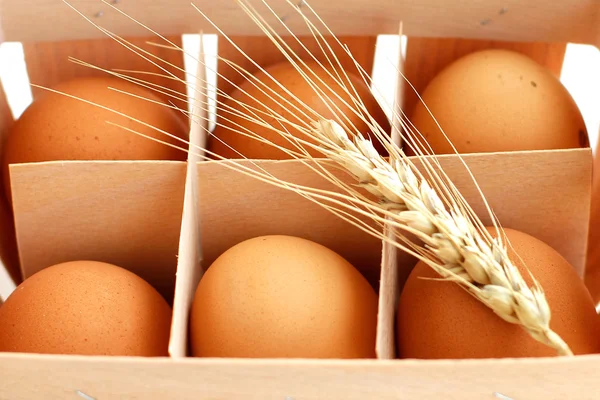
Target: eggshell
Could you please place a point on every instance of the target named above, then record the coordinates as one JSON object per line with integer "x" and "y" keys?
{"x": 85, "y": 308}
{"x": 227, "y": 142}
{"x": 58, "y": 127}
{"x": 498, "y": 100}
{"x": 283, "y": 297}
{"x": 439, "y": 320}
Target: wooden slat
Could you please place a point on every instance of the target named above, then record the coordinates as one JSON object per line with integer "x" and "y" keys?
{"x": 127, "y": 213}
{"x": 6, "y": 118}
{"x": 8, "y": 245}
{"x": 567, "y": 20}
{"x": 9, "y": 257}
{"x": 389, "y": 294}
{"x": 545, "y": 194}
{"x": 48, "y": 62}
{"x": 69, "y": 377}
{"x": 189, "y": 271}
{"x": 592, "y": 267}
{"x": 426, "y": 57}
{"x": 263, "y": 209}
{"x": 391, "y": 275}
{"x": 592, "y": 271}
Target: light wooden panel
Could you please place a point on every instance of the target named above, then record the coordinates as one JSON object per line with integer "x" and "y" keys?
{"x": 389, "y": 295}
{"x": 592, "y": 272}
{"x": 189, "y": 271}
{"x": 60, "y": 377}
{"x": 8, "y": 246}
{"x": 234, "y": 207}
{"x": 6, "y": 119}
{"x": 121, "y": 212}
{"x": 48, "y": 62}
{"x": 522, "y": 190}
{"x": 426, "y": 57}
{"x": 567, "y": 20}
{"x": 391, "y": 275}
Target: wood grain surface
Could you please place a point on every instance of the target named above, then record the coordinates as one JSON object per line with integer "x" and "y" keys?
{"x": 189, "y": 256}
{"x": 234, "y": 207}
{"x": 513, "y": 20}
{"x": 126, "y": 213}
{"x": 592, "y": 271}
{"x": 8, "y": 246}
{"x": 26, "y": 377}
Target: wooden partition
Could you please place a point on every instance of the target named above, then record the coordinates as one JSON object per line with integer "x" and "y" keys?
{"x": 9, "y": 258}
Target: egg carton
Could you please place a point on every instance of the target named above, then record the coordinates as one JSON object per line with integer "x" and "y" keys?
{"x": 168, "y": 220}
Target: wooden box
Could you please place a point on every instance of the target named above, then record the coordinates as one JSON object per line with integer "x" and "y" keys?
{"x": 179, "y": 216}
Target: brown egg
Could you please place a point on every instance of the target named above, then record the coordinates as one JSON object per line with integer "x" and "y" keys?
{"x": 498, "y": 100}
{"x": 57, "y": 127}
{"x": 439, "y": 320}
{"x": 283, "y": 297}
{"x": 85, "y": 308}
{"x": 227, "y": 142}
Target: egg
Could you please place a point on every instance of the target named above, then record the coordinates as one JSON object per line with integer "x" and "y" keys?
{"x": 85, "y": 308}
{"x": 498, "y": 100}
{"x": 281, "y": 296}
{"x": 282, "y": 78}
{"x": 440, "y": 320}
{"x": 59, "y": 127}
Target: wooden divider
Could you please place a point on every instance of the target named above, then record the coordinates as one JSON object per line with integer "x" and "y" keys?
{"x": 592, "y": 271}
{"x": 8, "y": 246}
{"x": 189, "y": 271}
{"x": 127, "y": 213}
{"x": 389, "y": 290}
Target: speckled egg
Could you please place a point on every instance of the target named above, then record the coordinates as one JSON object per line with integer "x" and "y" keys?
{"x": 85, "y": 308}
{"x": 283, "y": 297}
{"x": 59, "y": 127}
{"x": 498, "y": 100}
{"x": 283, "y": 100}
{"x": 439, "y": 320}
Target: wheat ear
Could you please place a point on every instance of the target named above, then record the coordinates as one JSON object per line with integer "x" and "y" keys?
{"x": 462, "y": 255}
{"x": 456, "y": 247}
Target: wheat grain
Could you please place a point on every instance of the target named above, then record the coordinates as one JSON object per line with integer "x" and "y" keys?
{"x": 461, "y": 254}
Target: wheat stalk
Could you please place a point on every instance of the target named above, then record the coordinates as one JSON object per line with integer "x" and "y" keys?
{"x": 463, "y": 256}
{"x": 455, "y": 244}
